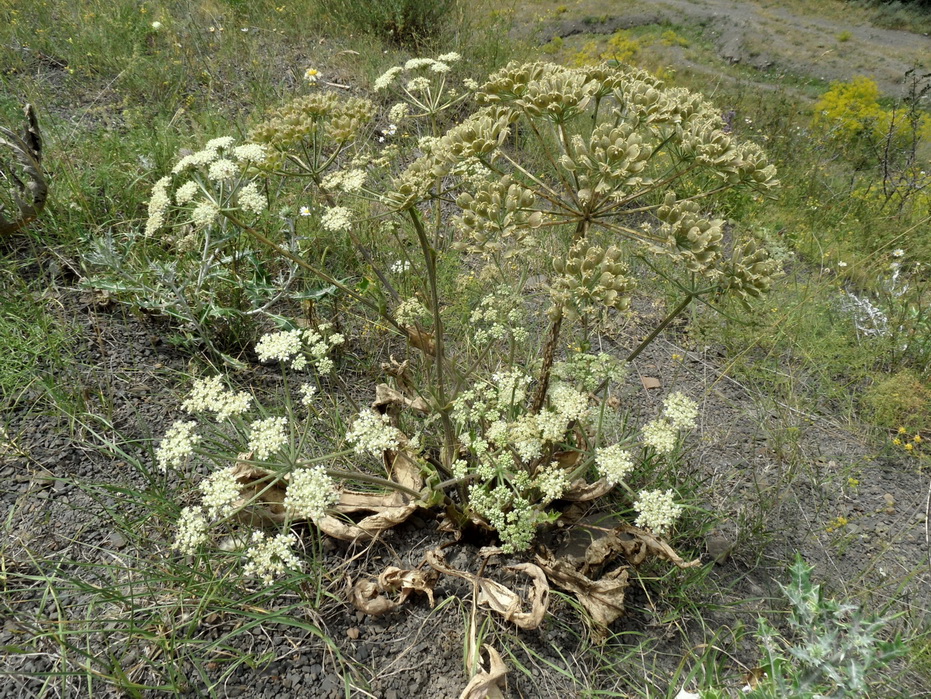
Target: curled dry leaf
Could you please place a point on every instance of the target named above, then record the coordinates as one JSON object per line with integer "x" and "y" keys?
{"x": 387, "y": 398}
{"x": 367, "y": 598}
{"x": 261, "y": 504}
{"x": 638, "y": 544}
{"x": 395, "y": 579}
{"x": 487, "y": 684}
{"x": 401, "y": 373}
{"x": 582, "y": 491}
{"x": 387, "y": 509}
{"x": 421, "y": 339}
{"x": 495, "y": 596}
{"x": 603, "y": 598}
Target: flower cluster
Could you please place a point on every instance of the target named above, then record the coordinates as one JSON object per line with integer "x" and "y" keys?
{"x": 679, "y": 413}
{"x": 310, "y": 492}
{"x": 658, "y": 511}
{"x": 177, "y": 444}
{"x": 372, "y": 433}
{"x": 614, "y": 463}
{"x": 269, "y": 557}
{"x": 209, "y": 395}
{"x": 215, "y": 179}
{"x": 267, "y": 436}
{"x": 220, "y": 491}
{"x": 296, "y": 347}
{"x": 192, "y": 530}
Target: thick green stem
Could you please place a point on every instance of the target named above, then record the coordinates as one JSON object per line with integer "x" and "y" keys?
{"x": 449, "y": 434}
{"x": 659, "y": 328}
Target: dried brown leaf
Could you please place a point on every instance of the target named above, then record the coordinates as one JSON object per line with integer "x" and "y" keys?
{"x": 583, "y": 491}
{"x": 637, "y": 545}
{"x": 499, "y": 598}
{"x": 367, "y": 598}
{"x": 395, "y": 579}
{"x": 338, "y": 529}
{"x": 387, "y": 397}
{"x": 603, "y": 598}
{"x": 487, "y": 684}
{"x": 421, "y": 339}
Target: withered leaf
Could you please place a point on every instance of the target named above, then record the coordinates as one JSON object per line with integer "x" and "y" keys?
{"x": 603, "y": 598}
{"x": 650, "y": 382}
{"x": 638, "y": 544}
{"x": 367, "y": 598}
{"x": 420, "y": 339}
{"x": 487, "y": 684}
{"x": 583, "y": 491}
{"x": 395, "y": 579}
{"x": 495, "y": 596}
{"x": 387, "y": 397}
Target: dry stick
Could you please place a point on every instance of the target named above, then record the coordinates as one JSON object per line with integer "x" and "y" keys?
{"x": 548, "y": 353}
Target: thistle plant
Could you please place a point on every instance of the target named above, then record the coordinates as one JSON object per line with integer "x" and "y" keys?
{"x": 829, "y": 650}
{"x": 569, "y": 176}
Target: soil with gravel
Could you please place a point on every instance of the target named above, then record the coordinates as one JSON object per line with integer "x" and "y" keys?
{"x": 769, "y": 499}
{"x": 772, "y": 37}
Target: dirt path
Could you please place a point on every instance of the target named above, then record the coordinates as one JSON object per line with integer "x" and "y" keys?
{"x": 837, "y": 44}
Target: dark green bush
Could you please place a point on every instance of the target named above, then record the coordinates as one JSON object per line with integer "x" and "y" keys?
{"x": 408, "y": 22}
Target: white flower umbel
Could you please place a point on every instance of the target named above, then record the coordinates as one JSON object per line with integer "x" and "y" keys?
{"x": 251, "y": 199}
{"x": 398, "y": 112}
{"x": 658, "y": 511}
{"x": 337, "y": 218}
{"x": 158, "y": 205}
{"x": 267, "y": 558}
{"x": 512, "y": 387}
{"x": 177, "y": 444}
{"x": 282, "y": 346}
{"x": 204, "y": 214}
{"x": 310, "y": 492}
{"x": 371, "y": 433}
{"x": 552, "y": 482}
{"x": 680, "y": 410}
{"x": 186, "y": 193}
{"x": 220, "y": 492}
{"x": 250, "y": 152}
{"x": 409, "y": 311}
{"x": 222, "y": 169}
{"x": 192, "y": 530}
{"x": 267, "y": 436}
{"x": 308, "y": 392}
{"x": 661, "y": 435}
{"x": 387, "y": 78}
{"x": 613, "y": 463}
{"x": 209, "y": 394}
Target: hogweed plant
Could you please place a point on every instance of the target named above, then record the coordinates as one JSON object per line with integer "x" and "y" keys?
{"x": 558, "y": 180}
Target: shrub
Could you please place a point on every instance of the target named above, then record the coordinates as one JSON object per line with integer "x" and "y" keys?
{"x": 902, "y": 399}
{"x": 409, "y": 22}
{"x": 562, "y": 173}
